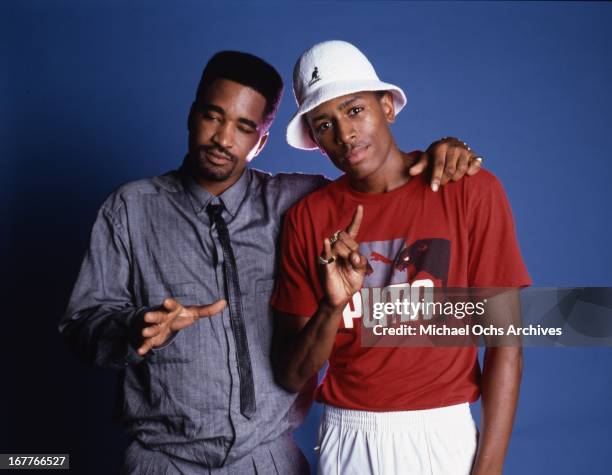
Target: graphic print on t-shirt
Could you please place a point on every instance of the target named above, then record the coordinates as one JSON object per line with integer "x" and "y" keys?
{"x": 393, "y": 263}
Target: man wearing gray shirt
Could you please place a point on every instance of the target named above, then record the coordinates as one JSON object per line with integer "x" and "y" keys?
{"x": 201, "y": 398}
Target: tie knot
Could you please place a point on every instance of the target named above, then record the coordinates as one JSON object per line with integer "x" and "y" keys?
{"x": 214, "y": 210}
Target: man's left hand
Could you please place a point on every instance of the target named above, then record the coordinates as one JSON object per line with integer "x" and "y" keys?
{"x": 450, "y": 158}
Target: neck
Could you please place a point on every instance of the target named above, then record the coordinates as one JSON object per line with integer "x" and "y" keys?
{"x": 392, "y": 174}
{"x": 215, "y": 187}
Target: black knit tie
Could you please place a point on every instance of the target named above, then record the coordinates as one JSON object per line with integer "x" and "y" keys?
{"x": 234, "y": 298}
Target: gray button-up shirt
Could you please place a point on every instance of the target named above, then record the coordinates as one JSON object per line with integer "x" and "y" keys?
{"x": 153, "y": 239}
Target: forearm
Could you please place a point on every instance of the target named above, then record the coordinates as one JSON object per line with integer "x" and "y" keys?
{"x": 500, "y": 389}
{"x": 102, "y": 316}
{"x": 303, "y": 354}
{"x": 104, "y": 336}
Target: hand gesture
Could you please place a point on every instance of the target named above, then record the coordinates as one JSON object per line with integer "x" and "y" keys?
{"x": 172, "y": 317}
{"x": 451, "y": 160}
{"x": 343, "y": 265}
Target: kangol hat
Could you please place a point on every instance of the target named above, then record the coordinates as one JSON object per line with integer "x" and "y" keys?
{"x": 328, "y": 70}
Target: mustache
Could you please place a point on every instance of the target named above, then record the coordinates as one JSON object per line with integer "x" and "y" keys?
{"x": 218, "y": 150}
{"x": 348, "y": 149}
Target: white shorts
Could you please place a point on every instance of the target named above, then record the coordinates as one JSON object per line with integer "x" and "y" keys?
{"x": 432, "y": 441}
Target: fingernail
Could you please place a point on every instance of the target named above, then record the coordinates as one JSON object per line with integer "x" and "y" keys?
{"x": 435, "y": 186}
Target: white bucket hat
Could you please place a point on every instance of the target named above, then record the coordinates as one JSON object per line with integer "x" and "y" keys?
{"x": 328, "y": 70}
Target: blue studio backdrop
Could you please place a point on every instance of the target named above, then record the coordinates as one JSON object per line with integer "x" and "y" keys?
{"x": 96, "y": 93}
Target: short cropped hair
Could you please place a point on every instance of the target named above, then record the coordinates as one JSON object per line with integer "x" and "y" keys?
{"x": 248, "y": 70}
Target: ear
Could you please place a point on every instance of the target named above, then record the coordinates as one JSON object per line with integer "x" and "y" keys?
{"x": 388, "y": 107}
{"x": 192, "y": 111}
{"x": 312, "y": 137}
{"x": 310, "y": 134}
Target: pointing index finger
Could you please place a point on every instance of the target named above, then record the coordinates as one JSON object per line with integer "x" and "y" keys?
{"x": 353, "y": 228}
{"x": 203, "y": 311}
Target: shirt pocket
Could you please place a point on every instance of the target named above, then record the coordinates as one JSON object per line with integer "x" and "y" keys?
{"x": 184, "y": 345}
{"x": 265, "y": 319}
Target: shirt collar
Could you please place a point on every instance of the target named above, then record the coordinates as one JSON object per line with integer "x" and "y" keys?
{"x": 231, "y": 198}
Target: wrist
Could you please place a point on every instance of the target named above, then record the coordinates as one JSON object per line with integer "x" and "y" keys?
{"x": 135, "y": 325}
{"x": 332, "y": 308}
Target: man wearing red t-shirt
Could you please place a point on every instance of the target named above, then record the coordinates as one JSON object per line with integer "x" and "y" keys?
{"x": 392, "y": 409}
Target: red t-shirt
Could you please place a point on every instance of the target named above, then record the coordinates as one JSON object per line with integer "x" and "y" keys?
{"x": 461, "y": 236}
